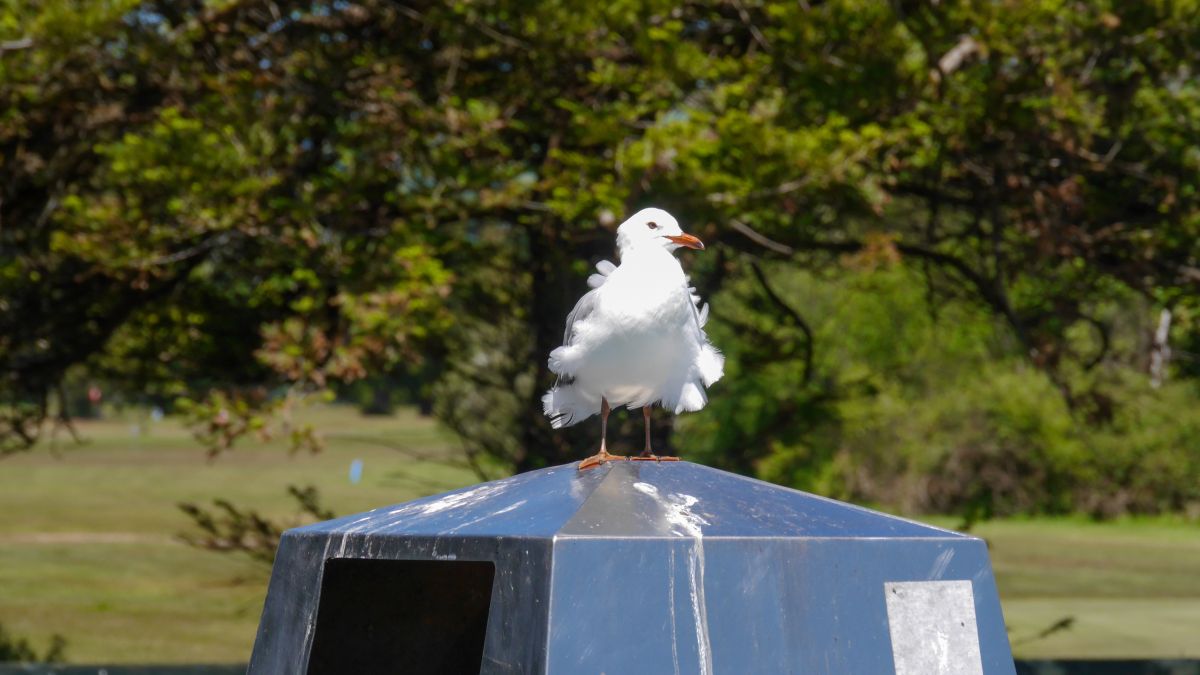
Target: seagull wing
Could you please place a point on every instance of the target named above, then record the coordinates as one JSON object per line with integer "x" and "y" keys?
{"x": 583, "y": 308}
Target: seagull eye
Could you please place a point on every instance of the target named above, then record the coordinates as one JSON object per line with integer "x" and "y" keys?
{"x": 652, "y": 225}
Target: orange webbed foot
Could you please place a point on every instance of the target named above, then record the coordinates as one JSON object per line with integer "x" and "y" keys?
{"x": 599, "y": 458}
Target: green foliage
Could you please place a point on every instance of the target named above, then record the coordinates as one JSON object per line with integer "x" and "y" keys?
{"x": 998, "y": 442}
{"x": 940, "y": 233}
{"x": 1148, "y": 460}
{"x": 13, "y": 648}
{"x": 226, "y": 528}
{"x": 928, "y": 410}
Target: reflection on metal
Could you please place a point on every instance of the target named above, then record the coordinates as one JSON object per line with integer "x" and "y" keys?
{"x": 640, "y": 567}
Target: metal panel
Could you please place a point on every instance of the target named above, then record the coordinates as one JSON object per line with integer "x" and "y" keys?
{"x": 641, "y": 567}
{"x": 516, "y": 626}
{"x": 731, "y": 605}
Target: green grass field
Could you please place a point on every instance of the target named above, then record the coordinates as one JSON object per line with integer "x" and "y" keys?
{"x": 1131, "y": 588}
{"x": 89, "y": 546}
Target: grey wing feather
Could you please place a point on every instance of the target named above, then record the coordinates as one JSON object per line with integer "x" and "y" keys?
{"x": 588, "y": 302}
{"x": 582, "y": 309}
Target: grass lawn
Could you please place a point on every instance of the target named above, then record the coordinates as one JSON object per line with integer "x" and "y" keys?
{"x": 1132, "y": 589}
{"x": 88, "y": 539}
{"x": 88, "y": 545}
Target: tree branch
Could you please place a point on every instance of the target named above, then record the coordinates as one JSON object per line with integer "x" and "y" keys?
{"x": 991, "y": 293}
{"x": 792, "y": 314}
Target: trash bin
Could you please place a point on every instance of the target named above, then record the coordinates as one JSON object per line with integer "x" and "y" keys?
{"x": 630, "y": 568}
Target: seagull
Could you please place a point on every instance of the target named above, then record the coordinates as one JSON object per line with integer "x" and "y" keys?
{"x": 636, "y": 338}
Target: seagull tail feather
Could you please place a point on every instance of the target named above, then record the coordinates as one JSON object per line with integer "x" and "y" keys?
{"x": 565, "y": 405}
{"x": 711, "y": 364}
{"x": 691, "y": 398}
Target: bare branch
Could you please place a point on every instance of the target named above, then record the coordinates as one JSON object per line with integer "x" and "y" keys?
{"x": 15, "y": 45}
{"x": 792, "y": 314}
{"x": 954, "y": 58}
{"x": 762, "y": 240}
{"x": 991, "y": 293}
{"x": 754, "y": 31}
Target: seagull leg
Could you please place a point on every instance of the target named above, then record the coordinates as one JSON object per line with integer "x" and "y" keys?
{"x": 603, "y": 455}
{"x": 647, "y": 454}
{"x": 646, "y": 418}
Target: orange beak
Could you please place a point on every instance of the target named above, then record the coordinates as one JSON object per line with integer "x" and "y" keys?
{"x": 687, "y": 240}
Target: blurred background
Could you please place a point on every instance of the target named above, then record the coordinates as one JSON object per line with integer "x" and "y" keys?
{"x": 266, "y": 262}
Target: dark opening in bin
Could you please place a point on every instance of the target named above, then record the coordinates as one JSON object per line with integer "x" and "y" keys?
{"x": 422, "y": 617}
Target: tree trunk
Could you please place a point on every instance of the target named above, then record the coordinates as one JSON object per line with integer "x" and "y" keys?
{"x": 1160, "y": 350}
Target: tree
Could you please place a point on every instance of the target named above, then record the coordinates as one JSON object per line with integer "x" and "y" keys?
{"x": 228, "y": 197}
{"x": 1034, "y": 160}
{"x": 246, "y": 203}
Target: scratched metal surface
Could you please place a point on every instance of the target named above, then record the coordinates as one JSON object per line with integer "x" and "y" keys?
{"x": 654, "y": 568}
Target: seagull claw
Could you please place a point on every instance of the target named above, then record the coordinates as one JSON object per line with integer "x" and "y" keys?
{"x": 599, "y": 458}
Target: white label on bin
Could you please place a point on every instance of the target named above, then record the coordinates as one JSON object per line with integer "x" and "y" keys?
{"x": 933, "y": 628}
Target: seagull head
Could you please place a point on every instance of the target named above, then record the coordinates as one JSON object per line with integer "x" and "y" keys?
{"x": 654, "y": 227}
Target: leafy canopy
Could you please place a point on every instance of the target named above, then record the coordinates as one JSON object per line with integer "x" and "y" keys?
{"x": 242, "y": 204}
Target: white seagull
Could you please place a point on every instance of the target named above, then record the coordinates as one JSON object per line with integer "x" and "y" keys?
{"x": 637, "y": 338}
